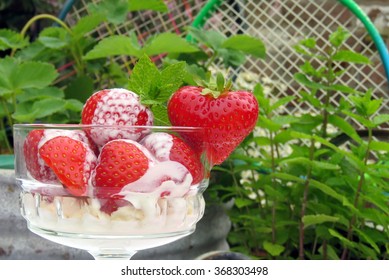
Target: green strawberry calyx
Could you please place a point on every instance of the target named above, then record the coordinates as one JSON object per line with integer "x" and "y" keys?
{"x": 216, "y": 87}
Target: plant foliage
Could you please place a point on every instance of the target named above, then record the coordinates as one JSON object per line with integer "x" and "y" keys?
{"x": 319, "y": 188}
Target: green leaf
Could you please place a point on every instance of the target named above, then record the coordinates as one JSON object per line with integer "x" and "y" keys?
{"x": 144, "y": 78}
{"x": 339, "y": 37}
{"x": 243, "y": 202}
{"x": 262, "y": 141}
{"x": 309, "y": 43}
{"x": 7, "y": 67}
{"x": 360, "y": 119}
{"x": 342, "y": 238}
{"x": 273, "y": 249}
{"x": 315, "y": 164}
{"x": 47, "y": 107}
{"x": 24, "y": 113}
{"x": 341, "y": 88}
{"x": 114, "y": 45}
{"x": 231, "y": 57}
{"x": 53, "y": 37}
{"x": 170, "y": 80}
{"x": 10, "y": 39}
{"x": 74, "y": 105}
{"x": 211, "y": 38}
{"x": 345, "y": 127}
{"x": 160, "y": 115}
{"x": 281, "y": 102}
{"x": 307, "y": 123}
{"x": 86, "y": 24}
{"x": 268, "y": 124}
{"x": 331, "y": 253}
{"x": 350, "y": 56}
{"x": 321, "y": 186}
{"x": 309, "y": 220}
{"x": 114, "y": 10}
{"x": 308, "y": 69}
{"x": 154, "y": 5}
{"x": 31, "y": 94}
{"x": 379, "y": 146}
{"x": 168, "y": 43}
{"x": 310, "y": 97}
{"x": 32, "y": 74}
{"x": 246, "y": 44}
{"x": 380, "y": 119}
{"x": 302, "y": 79}
{"x": 368, "y": 239}
{"x": 81, "y": 88}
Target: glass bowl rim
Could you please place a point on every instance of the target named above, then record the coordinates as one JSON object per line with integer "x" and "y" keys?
{"x": 113, "y": 126}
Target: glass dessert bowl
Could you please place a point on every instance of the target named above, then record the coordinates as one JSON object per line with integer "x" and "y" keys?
{"x": 140, "y": 187}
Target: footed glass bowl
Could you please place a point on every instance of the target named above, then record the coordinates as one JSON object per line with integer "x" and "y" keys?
{"x": 141, "y": 188}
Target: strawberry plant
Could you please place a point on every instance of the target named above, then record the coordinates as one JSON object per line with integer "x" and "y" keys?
{"x": 318, "y": 189}
{"x": 46, "y": 79}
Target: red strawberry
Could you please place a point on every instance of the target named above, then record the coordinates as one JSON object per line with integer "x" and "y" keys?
{"x": 166, "y": 146}
{"x": 72, "y": 160}
{"x": 115, "y": 107}
{"x": 34, "y": 163}
{"x": 110, "y": 205}
{"x": 120, "y": 162}
{"x": 228, "y": 116}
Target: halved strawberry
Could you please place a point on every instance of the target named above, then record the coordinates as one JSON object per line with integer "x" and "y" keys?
{"x": 120, "y": 162}
{"x": 166, "y": 147}
{"x": 71, "y": 160}
{"x": 34, "y": 163}
{"x": 119, "y": 107}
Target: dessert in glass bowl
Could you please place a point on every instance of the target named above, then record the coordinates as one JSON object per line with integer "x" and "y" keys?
{"x": 116, "y": 184}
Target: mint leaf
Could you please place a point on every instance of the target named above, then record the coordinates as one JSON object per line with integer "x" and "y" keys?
{"x": 155, "y": 87}
{"x": 309, "y": 43}
{"x": 309, "y": 220}
{"x": 144, "y": 78}
{"x": 350, "y": 56}
{"x": 170, "y": 81}
{"x": 168, "y": 43}
{"x": 273, "y": 249}
{"x": 160, "y": 115}
{"x": 339, "y": 37}
{"x": 114, "y": 45}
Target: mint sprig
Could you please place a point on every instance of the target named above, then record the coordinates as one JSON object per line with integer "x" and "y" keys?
{"x": 155, "y": 86}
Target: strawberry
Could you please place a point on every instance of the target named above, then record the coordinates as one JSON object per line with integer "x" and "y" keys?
{"x": 227, "y": 116}
{"x": 110, "y": 205}
{"x": 115, "y": 107}
{"x": 164, "y": 147}
{"x": 71, "y": 159}
{"x": 120, "y": 162}
{"x": 34, "y": 163}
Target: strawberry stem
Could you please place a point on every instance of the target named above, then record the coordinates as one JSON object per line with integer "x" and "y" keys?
{"x": 217, "y": 87}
